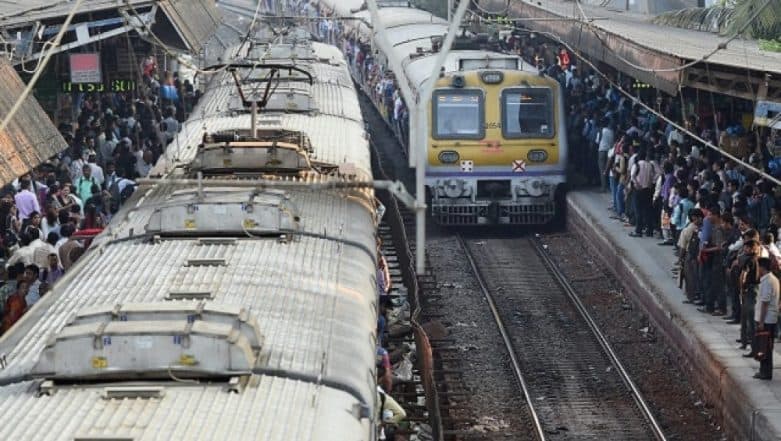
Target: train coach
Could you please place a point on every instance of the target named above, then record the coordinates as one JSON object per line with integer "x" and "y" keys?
{"x": 497, "y": 144}
{"x": 234, "y": 298}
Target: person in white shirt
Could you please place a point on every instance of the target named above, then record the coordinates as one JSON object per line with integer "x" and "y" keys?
{"x": 97, "y": 171}
{"x": 642, "y": 178}
{"x": 30, "y": 242}
{"x": 766, "y": 317}
{"x": 606, "y": 140}
{"x": 144, "y": 165}
{"x": 676, "y": 136}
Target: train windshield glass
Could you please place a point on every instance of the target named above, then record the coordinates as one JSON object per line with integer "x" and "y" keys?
{"x": 527, "y": 113}
{"x": 458, "y": 114}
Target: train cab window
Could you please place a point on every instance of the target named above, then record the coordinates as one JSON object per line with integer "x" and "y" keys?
{"x": 527, "y": 113}
{"x": 458, "y": 114}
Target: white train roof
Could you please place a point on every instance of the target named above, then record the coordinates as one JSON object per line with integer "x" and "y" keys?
{"x": 334, "y": 127}
{"x": 276, "y": 409}
{"x": 410, "y": 32}
{"x": 309, "y": 294}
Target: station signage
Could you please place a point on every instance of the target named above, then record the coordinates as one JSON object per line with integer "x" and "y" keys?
{"x": 112, "y": 86}
{"x": 85, "y": 68}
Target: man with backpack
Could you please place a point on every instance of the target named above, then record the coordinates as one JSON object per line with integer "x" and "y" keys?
{"x": 689, "y": 244}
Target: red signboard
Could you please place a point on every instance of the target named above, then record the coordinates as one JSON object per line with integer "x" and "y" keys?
{"x": 85, "y": 68}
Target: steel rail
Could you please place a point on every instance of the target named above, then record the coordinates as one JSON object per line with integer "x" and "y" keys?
{"x": 564, "y": 283}
{"x": 516, "y": 365}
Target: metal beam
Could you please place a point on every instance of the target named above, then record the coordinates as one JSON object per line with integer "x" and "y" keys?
{"x": 132, "y": 23}
{"x": 75, "y": 44}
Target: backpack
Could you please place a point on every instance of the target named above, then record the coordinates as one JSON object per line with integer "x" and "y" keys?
{"x": 693, "y": 247}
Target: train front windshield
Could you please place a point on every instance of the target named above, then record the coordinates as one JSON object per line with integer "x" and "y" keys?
{"x": 458, "y": 114}
{"x": 527, "y": 113}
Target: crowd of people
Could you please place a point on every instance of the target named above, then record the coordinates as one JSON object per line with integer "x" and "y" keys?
{"x": 48, "y": 217}
{"x": 721, "y": 216}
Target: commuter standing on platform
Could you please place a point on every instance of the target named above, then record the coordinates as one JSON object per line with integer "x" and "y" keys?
{"x": 642, "y": 175}
{"x": 766, "y": 317}
{"x": 749, "y": 286}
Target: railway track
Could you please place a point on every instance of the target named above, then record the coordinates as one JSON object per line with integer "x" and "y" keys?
{"x": 572, "y": 380}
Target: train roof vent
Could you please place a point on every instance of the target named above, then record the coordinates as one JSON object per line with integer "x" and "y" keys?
{"x": 251, "y": 157}
{"x": 238, "y": 318}
{"x": 189, "y": 295}
{"x": 225, "y": 212}
{"x": 133, "y": 392}
{"x": 103, "y": 438}
{"x": 148, "y": 348}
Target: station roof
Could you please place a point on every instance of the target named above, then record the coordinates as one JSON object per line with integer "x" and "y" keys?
{"x": 185, "y": 24}
{"x": 615, "y": 37}
{"x": 30, "y": 137}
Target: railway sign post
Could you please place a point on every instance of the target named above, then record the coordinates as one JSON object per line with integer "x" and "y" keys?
{"x": 519, "y": 166}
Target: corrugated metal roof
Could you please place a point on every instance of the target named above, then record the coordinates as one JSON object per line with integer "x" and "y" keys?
{"x": 684, "y": 43}
{"x": 276, "y": 409}
{"x": 30, "y": 138}
{"x": 195, "y": 20}
{"x": 13, "y": 14}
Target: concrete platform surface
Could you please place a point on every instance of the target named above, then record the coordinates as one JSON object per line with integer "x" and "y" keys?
{"x": 750, "y": 408}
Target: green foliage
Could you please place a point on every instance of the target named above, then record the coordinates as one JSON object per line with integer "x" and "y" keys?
{"x": 770, "y": 45}
{"x": 729, "y": 17}
{"x": 767, "y": 24}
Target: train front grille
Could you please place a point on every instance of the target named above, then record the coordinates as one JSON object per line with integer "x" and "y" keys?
{"x": 494, "y": 190}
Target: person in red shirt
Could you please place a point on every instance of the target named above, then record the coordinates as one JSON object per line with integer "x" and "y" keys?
{"x": 15, "y": 305}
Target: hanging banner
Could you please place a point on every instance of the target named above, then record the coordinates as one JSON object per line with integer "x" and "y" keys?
{"x": 85, "y": 68}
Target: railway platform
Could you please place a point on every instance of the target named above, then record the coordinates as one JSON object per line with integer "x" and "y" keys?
{"x": 750, "y": 408}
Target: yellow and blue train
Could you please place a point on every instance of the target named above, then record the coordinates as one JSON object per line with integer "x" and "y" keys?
{"x": 497, "y": 144}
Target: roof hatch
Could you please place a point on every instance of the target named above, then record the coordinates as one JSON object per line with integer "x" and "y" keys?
{"x": 272, "y": 150}
{"x": 225, "y": 212}
{"x": 152, "y": 341}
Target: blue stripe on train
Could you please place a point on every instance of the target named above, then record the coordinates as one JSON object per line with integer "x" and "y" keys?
{"x": 494, "y": 174}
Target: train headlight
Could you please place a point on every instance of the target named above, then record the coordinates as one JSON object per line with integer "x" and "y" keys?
{"x": 492, "y": 77}
{"x": 537, "y": 156}
{"x": 453, "y": 188}
{"x": 535, "y": 188}
{"x": 449, "y": 157}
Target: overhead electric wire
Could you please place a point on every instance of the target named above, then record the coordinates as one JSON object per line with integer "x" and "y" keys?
{"x": 41, "y": 66}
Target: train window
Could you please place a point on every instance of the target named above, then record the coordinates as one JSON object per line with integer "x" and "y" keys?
{"x": 527, "y": 113}
{"x": 458, "y": 114}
